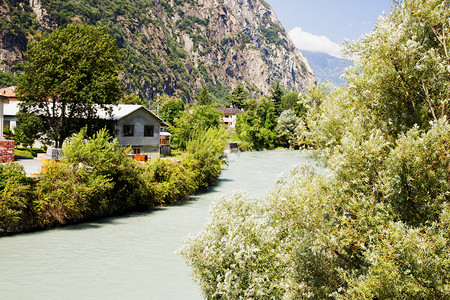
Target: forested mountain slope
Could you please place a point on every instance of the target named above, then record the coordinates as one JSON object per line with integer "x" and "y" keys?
{"x": 172, "y": 46}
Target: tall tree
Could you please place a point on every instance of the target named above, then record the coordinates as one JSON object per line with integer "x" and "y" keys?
{"x": 256, "y": 127}
{"x": 204, "y": 98}
{"x": 277, "y": 95}
{"x": 202, "y": 116}
{"x": 69, "y": 75}
{"x": 171, "y": 109}
{"x": 238, "y": 97}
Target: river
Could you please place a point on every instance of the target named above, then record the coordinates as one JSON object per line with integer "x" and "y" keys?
{"x": 133, "y": 256}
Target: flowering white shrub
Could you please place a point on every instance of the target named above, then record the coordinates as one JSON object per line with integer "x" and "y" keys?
{"x": 376, "y": 225}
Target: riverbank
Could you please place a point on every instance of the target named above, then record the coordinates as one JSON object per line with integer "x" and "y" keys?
{"x": 97, "y": 179}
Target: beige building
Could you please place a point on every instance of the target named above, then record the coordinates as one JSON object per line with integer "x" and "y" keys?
{"x": 230, "y": 115}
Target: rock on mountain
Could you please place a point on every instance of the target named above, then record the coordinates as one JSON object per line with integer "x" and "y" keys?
{"x": 327, "y": 67}
{"x": 172, "y": 46}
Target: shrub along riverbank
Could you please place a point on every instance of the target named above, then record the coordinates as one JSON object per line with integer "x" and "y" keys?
{"x": 96, "y": 178}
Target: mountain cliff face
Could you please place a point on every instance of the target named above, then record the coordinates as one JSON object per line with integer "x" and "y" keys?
{"x": 327, "y": 67}
{"x": 172, "y": 46}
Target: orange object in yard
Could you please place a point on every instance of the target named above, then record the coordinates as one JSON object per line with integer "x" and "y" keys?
{"x": 140, "y": 157}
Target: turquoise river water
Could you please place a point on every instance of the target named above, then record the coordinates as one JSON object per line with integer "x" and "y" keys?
{"x": 133, "y": 256}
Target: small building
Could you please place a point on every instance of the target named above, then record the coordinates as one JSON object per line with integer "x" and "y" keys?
{"x": 136, "y": 126}
{"x": 7, "y": 96}
{"x": 6, "y": 147}
{"x": 9, "y": 92}
{"x": 230, "y": 115}
{"x": 3, "y": 100}
{"x": 139, "y": 128}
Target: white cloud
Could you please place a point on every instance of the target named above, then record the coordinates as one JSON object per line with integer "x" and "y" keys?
{"x": 311, "y": 42}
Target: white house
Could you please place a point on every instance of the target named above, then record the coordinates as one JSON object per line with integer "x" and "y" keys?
{"x": 139, "y": 128}
{"x": 136, "y": 126}
{"x": 8, "y": 105}
{"x": 230, "y": 115}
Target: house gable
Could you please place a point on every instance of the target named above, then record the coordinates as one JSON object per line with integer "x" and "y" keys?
{"x": 139, "y": 129}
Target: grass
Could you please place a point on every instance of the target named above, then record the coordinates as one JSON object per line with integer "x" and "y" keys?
{"x": 27, "y": 152}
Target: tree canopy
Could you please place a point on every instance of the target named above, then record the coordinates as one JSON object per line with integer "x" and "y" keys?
{"x": 374, "y": 223}
{"x": 69, "y": 74}
{"x": 238, "y": 97}
{"x": 7, "y": 79}
{"x": 256, "y": 127}
{"x": 200, "y": 116}
{"x": 204, "y": 97}
{"x": 172, "y": 109}
{"x": 277, "y": 94}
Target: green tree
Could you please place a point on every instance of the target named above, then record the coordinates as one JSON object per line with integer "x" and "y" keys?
{"x": 287, "y": 123}
{"x": 202, "y": 116}
{"x": 171, "y": 109}
{"x": 405, "y": 61}
{"x": 204, "y": 98}
{"x": 292, "y": 101}
{"x": 256, "y": 127}
{"x": 7, "y": 79}
{"x": 29, "y": 129}
{"x": 69, "y": 74}
{"x": 131, "y": 99}
{"x": 238, "y": 97}
{"x": 277, "y": 94}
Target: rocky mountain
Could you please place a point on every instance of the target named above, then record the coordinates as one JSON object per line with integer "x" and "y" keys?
{"x": 327, "y": 67}
{"x": 172, "y": 46}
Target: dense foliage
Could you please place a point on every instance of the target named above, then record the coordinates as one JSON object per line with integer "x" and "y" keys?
{"x": 269, "y": 123}
{"x": 183, "y": 128}
{"x": 374, "y": 224}
{"x": 96, "y": 178}
{"x": 7, "y": 79}
{"x": 238, "y": 97}
{"x": 171, "y": 109}
{"x": 69, "y": 75}
{"x": 256, "y": 127}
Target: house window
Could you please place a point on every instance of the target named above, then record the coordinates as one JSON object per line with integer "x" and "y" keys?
{"x": 148, "y": 130}
{"x": 128, "y": 130}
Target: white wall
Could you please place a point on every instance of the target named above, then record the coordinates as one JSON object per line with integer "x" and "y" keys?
{"x": 139, "y": 119}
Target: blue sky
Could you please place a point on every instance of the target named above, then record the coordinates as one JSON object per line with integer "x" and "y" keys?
{"x": 322, "y": 25}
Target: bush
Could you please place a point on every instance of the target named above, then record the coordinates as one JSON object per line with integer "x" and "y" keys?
{"x": 205, "y": 154}
{"x": 64, "y": 195}
{"x": 96, "y": 178}
{"x": 417, "y": 176}
{"x": 16, "y": 192}
{"x": 102, "y": 158}
{"x": 169, "y": 181}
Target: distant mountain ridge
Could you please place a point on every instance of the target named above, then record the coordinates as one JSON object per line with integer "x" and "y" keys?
{"x": 172, "y": 46}
{"x": 327, "y": 67}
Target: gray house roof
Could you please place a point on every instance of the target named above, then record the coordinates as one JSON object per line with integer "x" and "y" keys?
{"x": 122, "y": 110}
{"x": 118, "y": 111}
